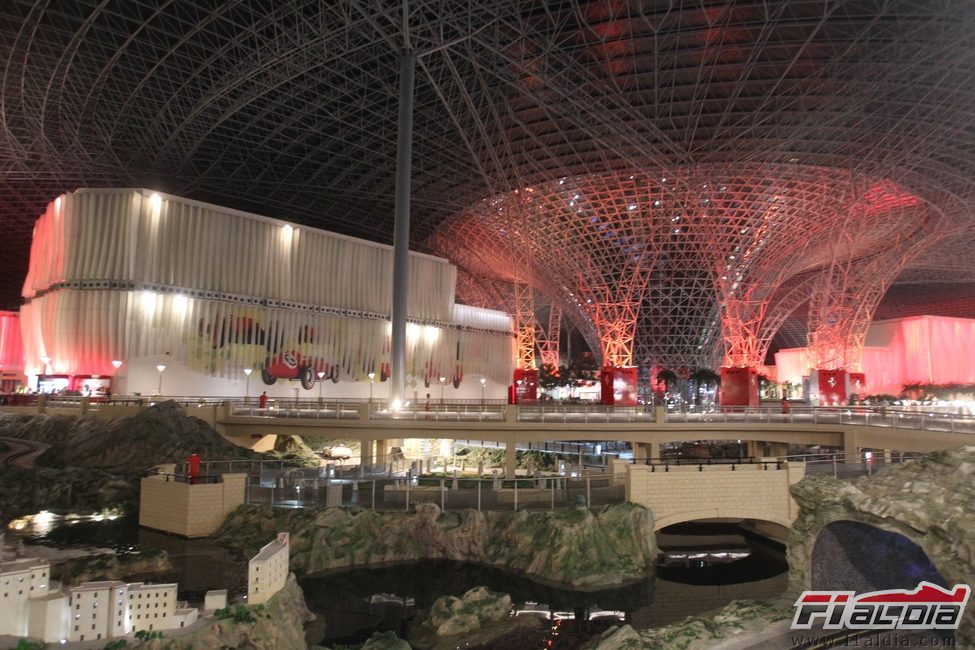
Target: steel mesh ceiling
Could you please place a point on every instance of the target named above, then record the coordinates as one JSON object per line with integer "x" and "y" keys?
{"x": 288, "y": 108}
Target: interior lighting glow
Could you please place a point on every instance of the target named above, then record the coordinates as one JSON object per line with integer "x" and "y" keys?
{"x": 430, "y": 334}
{"x": 180, "y": 305}
{"x": 155, "y": 202}
{"x": 148, "y": 301}
{"x": 412, "y": 333}
{"x": 287, "y": 233}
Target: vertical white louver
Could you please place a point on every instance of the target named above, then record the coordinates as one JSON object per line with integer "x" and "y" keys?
{"x": 121, "y": 274}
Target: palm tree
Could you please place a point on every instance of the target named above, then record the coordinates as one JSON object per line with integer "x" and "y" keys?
{"x": 668, "y": 378}
{"x": 703, "y": 377}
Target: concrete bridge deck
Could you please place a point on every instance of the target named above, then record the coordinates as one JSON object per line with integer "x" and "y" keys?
{"x": 645, "y": 428}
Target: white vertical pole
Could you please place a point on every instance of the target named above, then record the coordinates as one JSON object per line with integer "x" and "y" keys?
{"x": 401, "y": 228}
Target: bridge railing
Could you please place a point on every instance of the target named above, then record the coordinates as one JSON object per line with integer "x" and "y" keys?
{"x": 449, "y": 411}
{"x": 310, "y": 489}
{"x": 576, "y": 412}
{"x": 333, "y": 409}
{"x": 855, "y": 415}
{"x": 497, "y": 410}
{"x": 839, "y": 465}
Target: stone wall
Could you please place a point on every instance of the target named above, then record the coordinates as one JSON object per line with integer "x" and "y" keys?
{"x": 189, "y": 510}
{"x": 685, "y": 492}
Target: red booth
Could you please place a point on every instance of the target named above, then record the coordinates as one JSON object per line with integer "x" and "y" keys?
{"x": 618, "y": 386}
{"x": 739, "y": 386}
{"x": 524, "y": 389}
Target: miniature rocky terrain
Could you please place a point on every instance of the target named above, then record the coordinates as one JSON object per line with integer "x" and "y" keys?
{"x": 277, "y": 625}
{"x": 930, "y": 502}
{"x": 577, "y": 548}
{"x": 479, "y": 618}
{"x": 109, "y": 566}
{"x": 94, "y": 465}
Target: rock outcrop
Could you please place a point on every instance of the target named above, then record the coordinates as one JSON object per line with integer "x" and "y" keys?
{"x": 740, "y": 624}
{"x": 930, "y": 501}
{"x": 279, "y": 626}
{"x": 478, "y": 607}
{"x": 109, "y": 566}
{"x": 94, "y": 465}
{"x": 577, "y": 548}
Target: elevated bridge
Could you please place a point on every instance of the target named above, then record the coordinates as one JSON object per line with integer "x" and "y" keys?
{"x": 645, "y": 428}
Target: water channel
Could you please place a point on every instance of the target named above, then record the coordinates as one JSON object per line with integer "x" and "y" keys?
{"x": 701, "y": 566}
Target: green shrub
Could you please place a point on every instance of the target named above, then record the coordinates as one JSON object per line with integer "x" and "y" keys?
{"x": 239, "y": 613}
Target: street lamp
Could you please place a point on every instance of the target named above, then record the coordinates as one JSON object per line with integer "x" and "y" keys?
{"x": 372, "y": 382}
{"x": 321, "y": 378}
{"x": 160, "y": 368}
{"x": 483, "y": 381}
{"x": 46, "y": 360}
{"x": 115, "y": 364}
{"x": 247, "y": 391}
{"x": 443, "y": 381}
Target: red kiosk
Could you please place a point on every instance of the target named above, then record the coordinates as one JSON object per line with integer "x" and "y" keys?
{"x": 524, "y": 388}
{"x": 618, "y": 386}
{"x": 739, "y": 386}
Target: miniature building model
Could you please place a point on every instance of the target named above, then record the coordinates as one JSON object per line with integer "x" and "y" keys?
{"x": 267, "y": 571}
{"x": 151, "y": 607}
{"x": 98, "y": 610}
{"x": 20, "y": 582}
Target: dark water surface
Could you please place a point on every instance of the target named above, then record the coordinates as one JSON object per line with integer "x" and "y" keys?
{"x": 356, "y": 603}
{"x": 198, "y": 564}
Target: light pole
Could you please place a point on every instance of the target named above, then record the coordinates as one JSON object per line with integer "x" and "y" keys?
{"x": 160, "y": 368}
{"x": 483, "y": 381}
{"x": 372, "y": 382}
{"x": 247, "y": 391}
{"x": 115, "y": 364}
{"x": 443, "y": 382}
{"x": 321, "y": 378}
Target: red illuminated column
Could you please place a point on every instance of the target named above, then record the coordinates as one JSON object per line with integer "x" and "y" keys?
{"x": 193, "y": 467}
{"x": 525, "y": 386}
{"x": 618, "y": 386}
{"x": 739, "y": 387}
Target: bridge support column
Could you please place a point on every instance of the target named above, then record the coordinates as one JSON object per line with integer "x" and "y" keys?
{"x": 510, "y": 461}
{"x": 851, "y": 452}
{"x": 778, "y": 449}
{"x": 365, "y": 453}
{"x": 645, "y": 450}
{"x": 755, "y": 449}
{"x": 382, "y": 452}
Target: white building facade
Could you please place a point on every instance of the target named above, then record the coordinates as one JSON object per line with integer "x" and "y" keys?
{"x": 267, "y": 572}
{"x": 151, "y": 607}
{"x": 185, "y": 296}
{"x": 98, "y": 610}
{"x": 21, "y": 581}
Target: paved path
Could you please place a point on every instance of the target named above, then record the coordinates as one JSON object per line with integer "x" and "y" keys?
{"x": 22, "y": 453}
